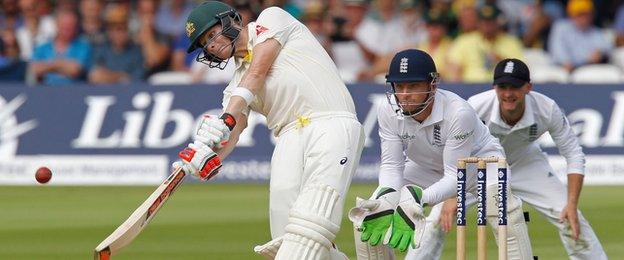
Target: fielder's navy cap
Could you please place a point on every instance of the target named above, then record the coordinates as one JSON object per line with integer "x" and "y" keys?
{"x": 512, "y": 72}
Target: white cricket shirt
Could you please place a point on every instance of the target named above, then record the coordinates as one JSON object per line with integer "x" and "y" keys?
{"x": 451, "y": 132}
{"x": 541, "y": 114}
{"x": 303, "y": 79}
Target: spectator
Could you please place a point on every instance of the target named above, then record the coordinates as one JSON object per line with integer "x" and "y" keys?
{"x": 46, "y": 8}
{"x": 36, "y": 29}
{"x": 10, "y": 17}
{"x": 437, "y": 43}
{"x": 467, "y": 17}
{"x": 313, "y": 18}
{"x": 65, "y": 59}
{"x": 246, "y": 10}
{"x": 68, "y": 5}
{"x": 531, "y": 20}
{"x": 180, "y": 60}
{"x": 171, "y": 17}
{"x": 12, "y": 68}
{"x": 91, "y": 24}
{"x": 411, "y": 23}
{"x": 349, "y": 54}
{"x": 472, "y": 56}
{"x": 119, "y": 60}
{"x": 382, "y": 34}
{"x": 444, "y": 7}
{"x": 381, "y": 37}
{"x": 619, "y": 26}
{"x": 154, "y": 45}
{"x": 575, "y": 41}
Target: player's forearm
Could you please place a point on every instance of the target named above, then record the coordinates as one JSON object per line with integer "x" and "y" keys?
{"x": 442, "y": 190}
{"x": 575, "y": 184}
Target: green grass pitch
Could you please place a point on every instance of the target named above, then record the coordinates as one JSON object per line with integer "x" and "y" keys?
{"x": 218, "y": 221}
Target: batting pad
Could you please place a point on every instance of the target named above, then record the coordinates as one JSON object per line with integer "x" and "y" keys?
{"x": 518, "y": 241}
{"x": 310, "y": 232}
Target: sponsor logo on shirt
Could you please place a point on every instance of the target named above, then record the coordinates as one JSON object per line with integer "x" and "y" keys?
{"x": 407, "y": 136}
{"x": 260, "y": 29}
{"x": 460, "y": 137}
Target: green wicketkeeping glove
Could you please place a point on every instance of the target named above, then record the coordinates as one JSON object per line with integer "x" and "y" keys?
{"x": 373, "y": 217}
{"x": 408, "y": 221}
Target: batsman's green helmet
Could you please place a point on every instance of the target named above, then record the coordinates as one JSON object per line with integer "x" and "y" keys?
{"x": 202, "y": 18}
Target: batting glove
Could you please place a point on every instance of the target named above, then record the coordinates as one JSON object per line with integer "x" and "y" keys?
{"x": 199, "y": 160}
{"x": 213, "y": 131}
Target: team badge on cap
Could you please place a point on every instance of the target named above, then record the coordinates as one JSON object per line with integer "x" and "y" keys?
{"x": 190, "y": 28}
{"x": 509, "y": 67}
{"x": 403, "y": 65}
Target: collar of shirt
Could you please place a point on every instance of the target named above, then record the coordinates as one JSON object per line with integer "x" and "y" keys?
{"x": 437, "y": 113}
{"x": 527, "y": 118}
{"x": 251, "y": 32}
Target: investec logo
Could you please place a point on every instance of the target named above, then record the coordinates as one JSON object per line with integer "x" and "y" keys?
{"x": 461, "y": 197}
{"x": 481, "y": 195}
{"x": 10, "y": 129}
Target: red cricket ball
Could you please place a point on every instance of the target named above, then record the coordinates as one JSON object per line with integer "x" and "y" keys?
{"x": 43, "y": 175}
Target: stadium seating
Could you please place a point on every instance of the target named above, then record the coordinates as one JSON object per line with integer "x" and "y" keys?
{"x": 617, "y": 58}
{"x": 170, "y": 78}
{"x": 597, "y": 73}
{"x": 548, "y": 74}
{"x": 536, "y": 57}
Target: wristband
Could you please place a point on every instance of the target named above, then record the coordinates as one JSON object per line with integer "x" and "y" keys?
{"x": 228, "y": 120}
{"x": 244, "y": 93}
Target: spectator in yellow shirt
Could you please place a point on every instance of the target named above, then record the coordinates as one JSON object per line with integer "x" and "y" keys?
{"x": 437, "y": 44}
{"x": 473, "y": 55}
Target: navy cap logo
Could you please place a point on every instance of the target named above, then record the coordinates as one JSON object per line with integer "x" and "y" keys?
{"x": 403, "y": 65}
{"x": 509, "y": 67}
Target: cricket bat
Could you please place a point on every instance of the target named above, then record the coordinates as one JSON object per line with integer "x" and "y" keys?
{"x": 129, "y": 229}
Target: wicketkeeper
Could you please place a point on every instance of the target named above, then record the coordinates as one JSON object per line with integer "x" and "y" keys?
{"x": 283, "y": 73}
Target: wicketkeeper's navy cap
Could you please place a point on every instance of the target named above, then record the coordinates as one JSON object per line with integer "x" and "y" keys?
{"x": 411, "y": 66}
{"x": 512, "y": 72}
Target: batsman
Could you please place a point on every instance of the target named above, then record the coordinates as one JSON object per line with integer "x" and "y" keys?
{"x": 283, "y": 73}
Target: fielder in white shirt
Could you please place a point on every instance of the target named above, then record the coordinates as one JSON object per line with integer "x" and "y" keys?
{"x": 518, "y": 117}
{"x": 423, "y": 132}
{"x": 283, "y": 73}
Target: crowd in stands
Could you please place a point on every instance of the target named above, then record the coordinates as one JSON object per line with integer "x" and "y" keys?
{"x": 63, "y": 42}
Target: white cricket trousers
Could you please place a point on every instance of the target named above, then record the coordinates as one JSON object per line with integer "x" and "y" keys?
{"x": 324, "y": 151}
